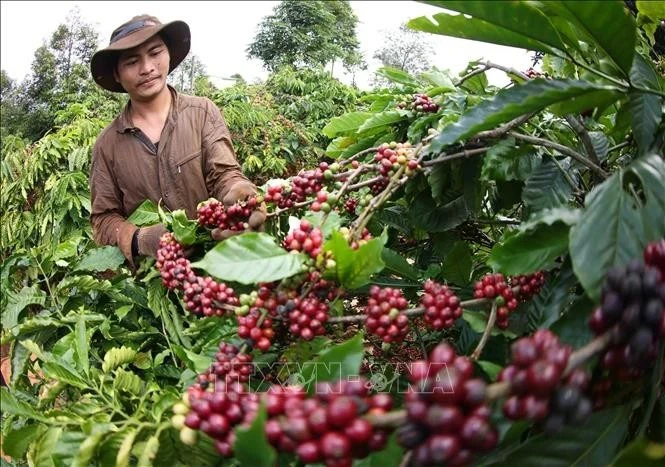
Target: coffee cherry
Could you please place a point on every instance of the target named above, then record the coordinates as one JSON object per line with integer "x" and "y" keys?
{"x": 305, "y": 238}
{"x": 494, "y": 286}
{"x": 442, "y": 306}
{"x": 384, "y": 314}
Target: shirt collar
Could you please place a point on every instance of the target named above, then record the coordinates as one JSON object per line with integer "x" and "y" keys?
{"x": 124, "y": 121}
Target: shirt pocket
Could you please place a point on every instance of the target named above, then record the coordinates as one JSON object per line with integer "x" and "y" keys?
{"x": 189, "y": 162}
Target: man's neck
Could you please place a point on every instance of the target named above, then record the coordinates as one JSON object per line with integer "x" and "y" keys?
{"x": 156, "y": 108}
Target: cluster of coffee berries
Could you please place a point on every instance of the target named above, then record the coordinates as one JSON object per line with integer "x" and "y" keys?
{"x": 569, "y": 405}
{"x": 257, "y": 328}
{"x": 538, "y": 363}
{"x": 529, "y": 285}
{"x": 305, "y": 238}
{"x": 495, "y": 287}
{"x": 350, "y": 205}
{"x": 654, "y": 256}
{"x": 216, "y": 411}
{"x": 328, "y": 428}
{"x": 276, "y": 194}
{"x": 447, "y": 418}
{"x": 173, "y": 267}
{"x": 230, "y": 365}
{"x": 324, "y": 202}
{"x": 207, "y": 297}
{"x": 442, "y": 306}
{"x": 365, "y": 236}
{"x": 390, "y": 156}
{"x": 421, "y": 103}
{"x": 385, "y": 317}
{"x": 632, "y": 310}
{"x": 531, "y": 73}
{"x": 214, "y": 215}
{"x": 308, "y": 317}
{"x": 305, "y": 184}
{"x": 379, "y": 185}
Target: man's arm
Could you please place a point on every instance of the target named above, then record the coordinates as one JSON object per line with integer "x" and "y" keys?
{"x": 109, "y": 225}
{"x": 222, "y": 170}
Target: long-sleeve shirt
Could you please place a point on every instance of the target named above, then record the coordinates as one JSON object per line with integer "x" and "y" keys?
{"x": 193, "y": 161}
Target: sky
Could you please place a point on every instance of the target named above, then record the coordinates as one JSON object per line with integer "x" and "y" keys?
{"x": 222, "y": 30}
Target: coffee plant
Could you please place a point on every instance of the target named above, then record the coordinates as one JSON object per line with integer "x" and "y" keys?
{"x": 472, "y": 276}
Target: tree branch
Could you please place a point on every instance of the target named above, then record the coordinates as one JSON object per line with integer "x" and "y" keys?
{"x": 486, "y": 334}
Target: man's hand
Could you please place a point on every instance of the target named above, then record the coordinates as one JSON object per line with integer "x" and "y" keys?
{"x": 148, "y": 239}
{"x": 240, "y": 192}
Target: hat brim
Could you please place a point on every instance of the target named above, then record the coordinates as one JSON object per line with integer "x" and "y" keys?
{"x": 177, "y": 37}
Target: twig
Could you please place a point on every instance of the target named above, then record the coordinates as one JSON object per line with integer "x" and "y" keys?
{"x": 357, "y": 155}
{"x": 278, "y": 211}
{"x": 583, "y": 135}
{"x": 505, "y": 128}
{"x": 562, "y": 149}
{"x": 486, "y": 334}
{"x": 505, "y": 69}
{"x": 618, "y": 146}
{"x": 406, "y": 460}
{"x": 458, "y": 155}
{"x": 471, "y": 74}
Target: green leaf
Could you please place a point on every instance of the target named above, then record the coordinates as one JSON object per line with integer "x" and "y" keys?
{"x": 505, "y": 161}
{"x": 184, "y": 229}
{"x": 385, "y": 457}
{"x": 654, "y": 10}
{"x": 101, "y": 259}
{"x": 337, "y": 362}
{"x": 15, "y": 444}
{"x": 646, "y": 109}
{"x": 127, "y": 381}
{"x": 491, "y": 369}
{"x": 592, "y": 18}
{"x": 457, "y": 264}
{"x": 476, "y": 29}
{"x": 397, "y": 76}
{"x": 347, "y": 123}
{"x": 68, "y": 248}
{"x": 251, "y": 446}
{"x": 16, "y": 303}
{"x": 399, "y": 265}
{"x": 82, "y": 345}
{"x": 517, "y": 17}
{"x": 88, "y": 448}
{"x": 145, "y": 214}
{"x": 440, "y": 79}
{"x": 63, "y": 372}
{"x": 149, "y": 452}
{"x": 593, "y": 443}
{"x": 381, "y": 120}
{"x": 546, "y": 187}
{"x": 333, "y": 222}
{"x": 354, "y": 268}
{"x": 439, "y": 219}
{"x": 117, "y": 357}
{"x": 531, "y": 250}
{"x": 338, "y": 145}
{"x": 508, "y": 104}
{"x": 642, "y": 452}
{"x": 573, "y": 327}
{"x": 553, "y": 300}
{"x": 614, "y": 228}
{"x": 250, "y": 258}
{"x": 42, "y": 451}
{"x": 197, "y": 362}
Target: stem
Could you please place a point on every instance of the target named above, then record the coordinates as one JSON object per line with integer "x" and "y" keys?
{"x": 357, "y": 155}
{"x": 618, "y": 146}
{"x": 458, "y": 155}
{"x": 505, "y": 69}
{"x": 562, "y": 149}
{"x": 583, "y": 135}
{"x": 471, "y": 74}
{"x": 278, "y": 211}
{"x": 486, "y": 334}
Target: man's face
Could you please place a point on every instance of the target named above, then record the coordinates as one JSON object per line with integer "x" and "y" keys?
{"x": 142, "y": 71}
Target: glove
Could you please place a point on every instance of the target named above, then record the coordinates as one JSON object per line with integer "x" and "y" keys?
{"x": 148, "y": 239}
{"x": 240, "y": 192}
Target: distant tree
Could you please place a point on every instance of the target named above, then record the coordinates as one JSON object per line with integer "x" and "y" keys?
{"x": 306, "y": 34}
{"x": 406, "y": 50}
{"x": 184, "y": 77}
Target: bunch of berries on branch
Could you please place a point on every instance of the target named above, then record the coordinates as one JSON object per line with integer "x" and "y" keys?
{"x": 421, "y": 103}
{"x": 329, "y": 427}
{"x": 213, "y": 214}
{"x": 305, "y": 238}
{"x": 447, "y": 418}
{"x": 391, "y": 156}
{"x": 495, "y": 287}
{"x": 539, "y": 392}
{"x": 303, "y": 185}
{"x": 442, "y": 306}
{"x": 216, "y": 411}
{"x": 385, "y": 317}
{"x": 632, "y": 311}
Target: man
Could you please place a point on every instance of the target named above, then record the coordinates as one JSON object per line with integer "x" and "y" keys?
{"x": 164, "y": 146}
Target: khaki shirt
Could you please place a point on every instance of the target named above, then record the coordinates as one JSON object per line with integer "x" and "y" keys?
{"x": 194, "y": 161}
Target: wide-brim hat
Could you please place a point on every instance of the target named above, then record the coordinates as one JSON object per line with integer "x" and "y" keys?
{"x": 133, "y": 33}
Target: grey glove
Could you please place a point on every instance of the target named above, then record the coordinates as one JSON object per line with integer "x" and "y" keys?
{"x": 148, "y": 239}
